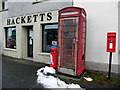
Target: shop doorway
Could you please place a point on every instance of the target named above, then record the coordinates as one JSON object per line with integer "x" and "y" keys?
{"x": 30, "y": 41}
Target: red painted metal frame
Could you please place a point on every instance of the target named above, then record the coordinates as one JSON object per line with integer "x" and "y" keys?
{"x": 80, "y": 63}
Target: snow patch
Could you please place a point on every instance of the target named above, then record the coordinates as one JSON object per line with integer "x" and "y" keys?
{"x": 88, "y": 79}
{"x": 45, "y": 70}
{"x": 49, "y": 81}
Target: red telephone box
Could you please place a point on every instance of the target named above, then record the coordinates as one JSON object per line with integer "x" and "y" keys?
{"x": 111, "y": 42}
{"x": 72, "y": 41}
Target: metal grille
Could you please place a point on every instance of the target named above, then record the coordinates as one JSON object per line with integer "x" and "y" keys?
{"x": 67, "y": 43}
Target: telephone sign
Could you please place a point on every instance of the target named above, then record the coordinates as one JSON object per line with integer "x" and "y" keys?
{"x": 111, "y": 41}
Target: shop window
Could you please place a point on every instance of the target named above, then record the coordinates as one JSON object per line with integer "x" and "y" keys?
{"x": 11, "y": 38}
{"x": 4, "y": 4}
{"x": 50, "y": 36}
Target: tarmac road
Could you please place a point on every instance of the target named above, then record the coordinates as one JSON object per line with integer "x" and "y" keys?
{"x": 19, "y": 75}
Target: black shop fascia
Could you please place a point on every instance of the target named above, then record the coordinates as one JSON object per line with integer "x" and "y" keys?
{"x": 30, "y": 18}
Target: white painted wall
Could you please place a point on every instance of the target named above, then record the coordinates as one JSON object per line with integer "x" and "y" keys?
{"x": 102, "y": 17}
{"x": 0, "y": 5}
{"x": 21, "y": 39}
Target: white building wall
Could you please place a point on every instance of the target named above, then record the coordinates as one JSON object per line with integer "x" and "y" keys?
{"x": 16, "y": 8}
{"x": 21, "y": 39}
{"x": 102, "y": 17}
{"x": 29, "y": 7}
{"x": 0, "y": 28}
{"x": 0, "y": 33}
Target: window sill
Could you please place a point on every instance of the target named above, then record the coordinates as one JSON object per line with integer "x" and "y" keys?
{"x": 4, "y": 10}
{"x": 45, "y": 54}
{"x": 36, "y": 2}
{"x": 39, "y": 1}
{"x": 9, "y": 49}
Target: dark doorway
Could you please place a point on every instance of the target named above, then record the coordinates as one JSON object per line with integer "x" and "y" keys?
{"x": 30, "y": 42}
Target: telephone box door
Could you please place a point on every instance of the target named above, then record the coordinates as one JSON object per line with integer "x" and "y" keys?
{"x": 68, "y": 44}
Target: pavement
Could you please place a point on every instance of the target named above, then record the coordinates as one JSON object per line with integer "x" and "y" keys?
{"x": 20, "y": 73}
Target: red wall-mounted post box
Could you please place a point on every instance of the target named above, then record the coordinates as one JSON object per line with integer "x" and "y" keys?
{"x": 54, "y": 57}
{"x": 111, "y": 41}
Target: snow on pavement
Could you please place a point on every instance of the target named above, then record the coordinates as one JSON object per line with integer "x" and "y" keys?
{"x": 49, "y": 81}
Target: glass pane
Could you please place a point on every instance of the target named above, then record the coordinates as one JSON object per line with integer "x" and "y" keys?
{"x": 83, "y": 47}
{"x": 30, "y": 36}
{"x": 66, "y": 46}
{"x": 69, "y": 34}
{"x": 69, "y": 22}
{"x": 68, "y": 40}
{"x": 83, "y": 41}
{"x": 69, "y": 25}
{"x": 66, "y": 52}
{"x": 67, "y": 58}
{"x": 11, "y": 38}
{"x": 5, "y": 5}
{"x": 83, "y": 29}
{"x": 83, "y": 36}
{"x": 50, "y": 34}
{"x": 54, "y": 26}
{"x": 69, "y": 28}
{"x": 84, "y": 24}
{"x": 68, "y": 65}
